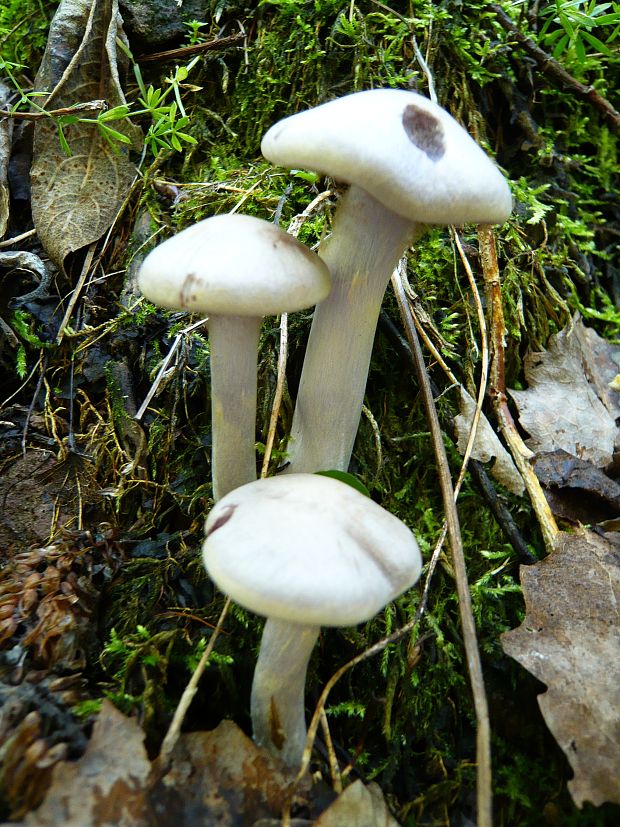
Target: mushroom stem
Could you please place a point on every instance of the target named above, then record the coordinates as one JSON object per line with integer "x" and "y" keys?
{"x": 278, "y": 689}
{"x": 366, "y": 244}
{"x": 233, "y": 342}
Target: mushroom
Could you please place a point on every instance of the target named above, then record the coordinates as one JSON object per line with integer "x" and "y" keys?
{"x": 236, "y": 269}
{"x": 409, "y": 164}
{"x": 305, "y": 551}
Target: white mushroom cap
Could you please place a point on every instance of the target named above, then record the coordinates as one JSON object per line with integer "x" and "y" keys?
{"x": 403, "y": 149}
{"x": 308, "y": 549}
{"x": 234, "y": 265}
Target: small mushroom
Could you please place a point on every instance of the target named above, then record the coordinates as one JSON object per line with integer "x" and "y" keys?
{"x": 304, "y": 551}
{"x": 236, "y": 269}
{"x": 409, "y": 164}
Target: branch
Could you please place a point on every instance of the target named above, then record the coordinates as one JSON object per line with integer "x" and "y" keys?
{"x": 549, "y": 66}
{"x": 77, "y": 108}
{"x": 184, "y": 51}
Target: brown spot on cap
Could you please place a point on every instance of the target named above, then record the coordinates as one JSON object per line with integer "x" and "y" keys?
{"x": 229, "y": 510}
{"x": 187, "y": 295}
{"x": 424, "y": 131}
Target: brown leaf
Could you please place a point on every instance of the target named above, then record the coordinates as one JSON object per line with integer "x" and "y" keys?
{"x": 75, "y": 199}
{"x": 561, "y": 408}
{"x": 577, "y": 490}
{"x": 570, "y": 640}
{"x": 106, "y": 786}
{"x": 221, "y": 777}
{"x": 358, "y": 805}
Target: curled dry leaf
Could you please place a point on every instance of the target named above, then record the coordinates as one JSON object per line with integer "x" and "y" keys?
{"x": 75, "y": 199}
{"x": 487, "y": 446}
{"x": 570, "y": 640}
{"x": 562, "y": 408}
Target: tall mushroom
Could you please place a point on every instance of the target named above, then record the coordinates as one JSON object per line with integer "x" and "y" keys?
{"x": 409, "y": 164}
{"x": 236, "y": 269}
{"x": 305, "y": 551}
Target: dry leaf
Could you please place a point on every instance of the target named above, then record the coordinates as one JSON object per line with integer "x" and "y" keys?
{"x": 75, "y": 199}
{"x": 561, "y": 408}
{"x": 360, "y": 806}
{"x": 577, "y": 490}
{"x": 486, "y": 445}
{"x": 219, "y": 777}
{"x": 570, "y": 640}
{"x": 6, "y": 137}
{"x": 106, "y": 786}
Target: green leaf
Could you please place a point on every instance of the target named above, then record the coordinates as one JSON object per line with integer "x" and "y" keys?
{"x": 348, "y": 479}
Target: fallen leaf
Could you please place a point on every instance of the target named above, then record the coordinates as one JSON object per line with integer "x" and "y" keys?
{"x": 75, "y": 199}
{"x": 358, "y": 805}
{"x": 570, "y": 640}
{"x": 219, "y": 777}
{"x": 561, "y": 408}
{"x": 6, "y": 137}
{"x": 487, "y": 446}
{"x": 106, "y": 786}
{"x": 577, "y": 490}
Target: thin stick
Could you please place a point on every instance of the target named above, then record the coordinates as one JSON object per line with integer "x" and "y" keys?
{"x": 375, "y": 649}
{"x": 521, "y": 454}
{"x": 164, "y": 366}
{"x": 89, "y": 106}
{"x": 196, "y": 48}
{"x": 174, "y": 730}
{"x": 9, "y": 242}
{"x": 331, "y": 754}
{"x": 484, "y": 361}
{"x": 76, "y": 292}
{"x": 279, "y": 393}
{"x": 483, "y": 736}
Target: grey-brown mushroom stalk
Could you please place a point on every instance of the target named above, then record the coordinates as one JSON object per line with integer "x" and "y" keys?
{"x": 409, "y": 164}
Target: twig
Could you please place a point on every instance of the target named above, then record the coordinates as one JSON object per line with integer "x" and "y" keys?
{"x": 549, "y": 66}
{"x": 16, "y": 239}
{"x": 164, "y": 366}
{"x": 76, "y": 108}
{"x": 483, "y": 735}
{"x": 279, "y": 393}
{"x": 521, "y": 454}
{"x": 190, "y": 690}
{"x": 373, "y": 650}
{"x": 196, "y": 48}
{"x": 331, "y": 754}
{"x": 76, "y": 292}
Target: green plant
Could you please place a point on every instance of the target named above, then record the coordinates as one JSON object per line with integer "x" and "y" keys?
{"x": 569, "y": 30}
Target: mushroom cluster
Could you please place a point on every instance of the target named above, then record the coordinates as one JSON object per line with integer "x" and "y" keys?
{"x": 304, "y": 550}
